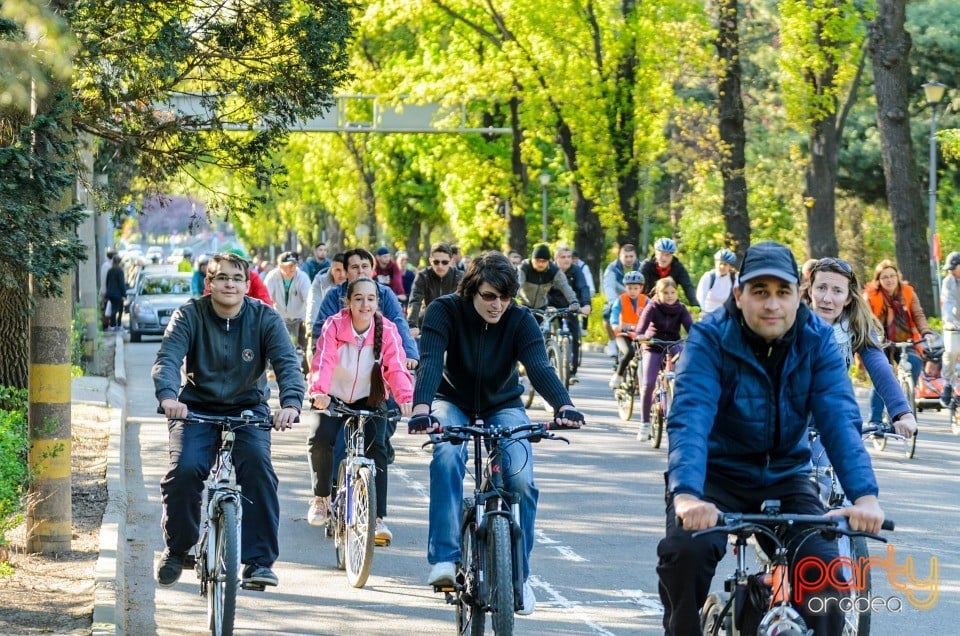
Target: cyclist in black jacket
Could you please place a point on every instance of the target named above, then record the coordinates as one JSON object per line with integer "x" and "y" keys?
{"x": 470, "y": 344}
{"x": 226, "y": 340}
{"x": 563, "y": 259}
{"x": 664, "y": 263}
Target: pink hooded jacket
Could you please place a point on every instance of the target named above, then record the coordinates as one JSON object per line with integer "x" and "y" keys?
{"x": 342, "y": 368}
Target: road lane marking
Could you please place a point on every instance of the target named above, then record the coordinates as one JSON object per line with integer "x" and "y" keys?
{"x": 564, "y": 550}
{"x": 568, "y": 605}
{"x": 422, "y": 491}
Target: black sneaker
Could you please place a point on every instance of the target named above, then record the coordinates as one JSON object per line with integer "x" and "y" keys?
{"x": 169, "y": 568}
{"x": 259, "y": 575}
{"x": 947, "y": 395}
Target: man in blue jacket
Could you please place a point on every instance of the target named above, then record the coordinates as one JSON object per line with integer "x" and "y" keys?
{"x": 748, "y": 380}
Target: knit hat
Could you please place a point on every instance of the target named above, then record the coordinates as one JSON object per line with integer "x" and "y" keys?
{"x": 382, "y": 250}
{"x": 541, "y": 251}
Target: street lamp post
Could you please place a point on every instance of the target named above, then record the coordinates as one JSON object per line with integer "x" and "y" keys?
{"x": 544, "y": 182}
{"x": 934, "y": 93}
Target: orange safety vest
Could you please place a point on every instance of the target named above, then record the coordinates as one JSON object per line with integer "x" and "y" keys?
{"x": 629, "y": 315}
{"x": 875, "y": 298}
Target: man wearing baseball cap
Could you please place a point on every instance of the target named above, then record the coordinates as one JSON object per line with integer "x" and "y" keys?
{"x": 387, "y": 272}
{"x": 749, "y": 378}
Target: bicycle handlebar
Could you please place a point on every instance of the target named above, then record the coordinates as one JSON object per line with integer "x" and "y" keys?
{"x": 534, "y": 432}
{"x": 883, "y": 429}
{"x": 338, "y": 407}
{"x": 227, "y": 421}
{"x": 735, "y": 522}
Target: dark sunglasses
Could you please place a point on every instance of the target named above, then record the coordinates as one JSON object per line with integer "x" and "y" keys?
{"x": 489, "y": 297}
{"x": 834, "y": 262}
{"x": 439, "y": 262}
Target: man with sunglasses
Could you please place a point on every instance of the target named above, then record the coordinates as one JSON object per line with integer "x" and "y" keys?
{"x": 225, "y": 340}
{"x": 436, "y": 279}
{"x": 470, "y": 344}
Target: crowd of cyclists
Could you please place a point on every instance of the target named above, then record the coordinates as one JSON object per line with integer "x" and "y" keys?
{"x": 443, "y": 344}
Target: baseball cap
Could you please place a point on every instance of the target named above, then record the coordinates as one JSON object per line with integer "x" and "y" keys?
{"x": 953, "y": 259}
{"x": 288, "y": 257}
{"x": 541, "y": 251}
{"x": 382, "y": 250}
{"x": 769, "y": 259}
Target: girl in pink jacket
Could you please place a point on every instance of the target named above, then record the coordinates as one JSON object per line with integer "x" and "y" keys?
{"x": 359, "y": 354}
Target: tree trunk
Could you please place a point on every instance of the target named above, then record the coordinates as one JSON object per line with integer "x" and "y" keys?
{"x": 890, "y": 48}
{"x": 516, "y": 219}
{"x": 733, "y": 134}
{"x": 623, "y": 132}
{"x": 588, "y": 238}
{"x": 14, "y": 330}
{"x": 821, "y": 178}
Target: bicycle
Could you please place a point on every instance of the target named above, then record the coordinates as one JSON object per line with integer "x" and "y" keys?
{"x": 217, "y": 555}
{"x": 760, "y": 603}
{"x": 832, "y": 496}
{"x": 353, "y": 519}
{"x": 951, "y": 343}
{"x": 558, "y": 341}
{"x": 629, "y": 389}
{"x": 489, "y": 576}
{"x": 663, "y": 389}
{"x": 905, "y": 378}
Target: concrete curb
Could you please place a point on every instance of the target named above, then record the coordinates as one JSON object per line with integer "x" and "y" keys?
{"x": 109, "y": 595}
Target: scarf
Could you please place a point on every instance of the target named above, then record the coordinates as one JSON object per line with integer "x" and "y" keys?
{"x": 897, "y": 320}
{"x": 841, "y": 333}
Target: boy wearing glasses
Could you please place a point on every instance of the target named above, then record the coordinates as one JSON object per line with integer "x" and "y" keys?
{"x": 437, "y": 279}
{"x": 226, "y": 339}
{"x": 470, "y": 344}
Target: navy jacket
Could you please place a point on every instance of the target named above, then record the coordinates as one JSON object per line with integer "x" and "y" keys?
{"x": 730, "y": 420}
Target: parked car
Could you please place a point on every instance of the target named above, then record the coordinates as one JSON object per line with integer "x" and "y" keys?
{"x": 155, "y": 297}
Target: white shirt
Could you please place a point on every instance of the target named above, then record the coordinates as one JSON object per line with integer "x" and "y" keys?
{"x": 712, "y": 296}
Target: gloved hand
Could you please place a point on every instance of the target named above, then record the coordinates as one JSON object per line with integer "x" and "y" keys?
{"x": 568, "y": 417}
{"x": 423, "y": 423}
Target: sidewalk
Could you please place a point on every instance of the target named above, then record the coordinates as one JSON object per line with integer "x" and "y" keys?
{"x": 110, "y": 393}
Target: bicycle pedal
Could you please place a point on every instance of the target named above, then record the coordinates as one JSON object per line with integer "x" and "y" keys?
{"x": 253, "y": 587}
{"x": 381, "y": 543}
{"x": 446, "y": 589}
{"x": 189, "y": 562}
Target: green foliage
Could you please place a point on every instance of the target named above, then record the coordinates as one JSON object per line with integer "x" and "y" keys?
{"x": 38, "y": 236}
{"x": 13, "y": 457}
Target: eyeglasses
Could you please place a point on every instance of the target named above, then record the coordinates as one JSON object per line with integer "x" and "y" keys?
{"x": 439, "y": 262}
{"x": 836, "y": 262}
{"x": 223, "y": 278}
{"x": 489, "y": 297}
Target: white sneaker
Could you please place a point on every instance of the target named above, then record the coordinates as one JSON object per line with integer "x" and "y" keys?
{"x": 615, "y": 382}
{"x": 529, "y": 600}
{"x": 319, "y": 511}
{"x": 643, "y": 434}
{"x": 612, "y": 349}
{"x": 382, "y": 536}
{"x": 443, "y": 573}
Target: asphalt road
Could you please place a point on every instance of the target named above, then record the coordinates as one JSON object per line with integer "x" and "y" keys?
{"x": 599, "y": 520}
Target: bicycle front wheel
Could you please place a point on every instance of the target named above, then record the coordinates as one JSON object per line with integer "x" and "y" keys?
{"x": 658, "y": 414}
{"x": 499, "y": 567}
{"x": 222, "y": 589}
{"x": 715, "y": 616}
{"x": 470, "y": 617}
{"x": 563, "y": 368}
{"x": 856, "y": 623}
{"x": 339, "y": 517}
{"x": 361, "y": 527}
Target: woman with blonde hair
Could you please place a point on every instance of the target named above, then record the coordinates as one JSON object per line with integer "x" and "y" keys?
{"x": 895, "y": 304}
{"x": 832, "y": 293}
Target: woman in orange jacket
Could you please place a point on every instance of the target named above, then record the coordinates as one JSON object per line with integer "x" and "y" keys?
{"x": 896, "y": 306}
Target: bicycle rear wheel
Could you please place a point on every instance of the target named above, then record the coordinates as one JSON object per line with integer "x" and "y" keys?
{"x": 470, "y": 616}
{"x": 499, "y": 569}
{"x": 624, "y": 403}
{"x": 224, "y": 570}
{"x": 361, "y": 527}
{"x": 563, "y": 368}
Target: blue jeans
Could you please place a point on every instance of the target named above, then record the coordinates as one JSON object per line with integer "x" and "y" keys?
{"x": 876, "y": 402}
{"x": 447, "y": 470}
{"x": 193, "y": 448}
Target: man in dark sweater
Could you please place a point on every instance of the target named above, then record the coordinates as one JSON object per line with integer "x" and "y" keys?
{"x": 470, "y": 344}
{"x": 664, "y": 263}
